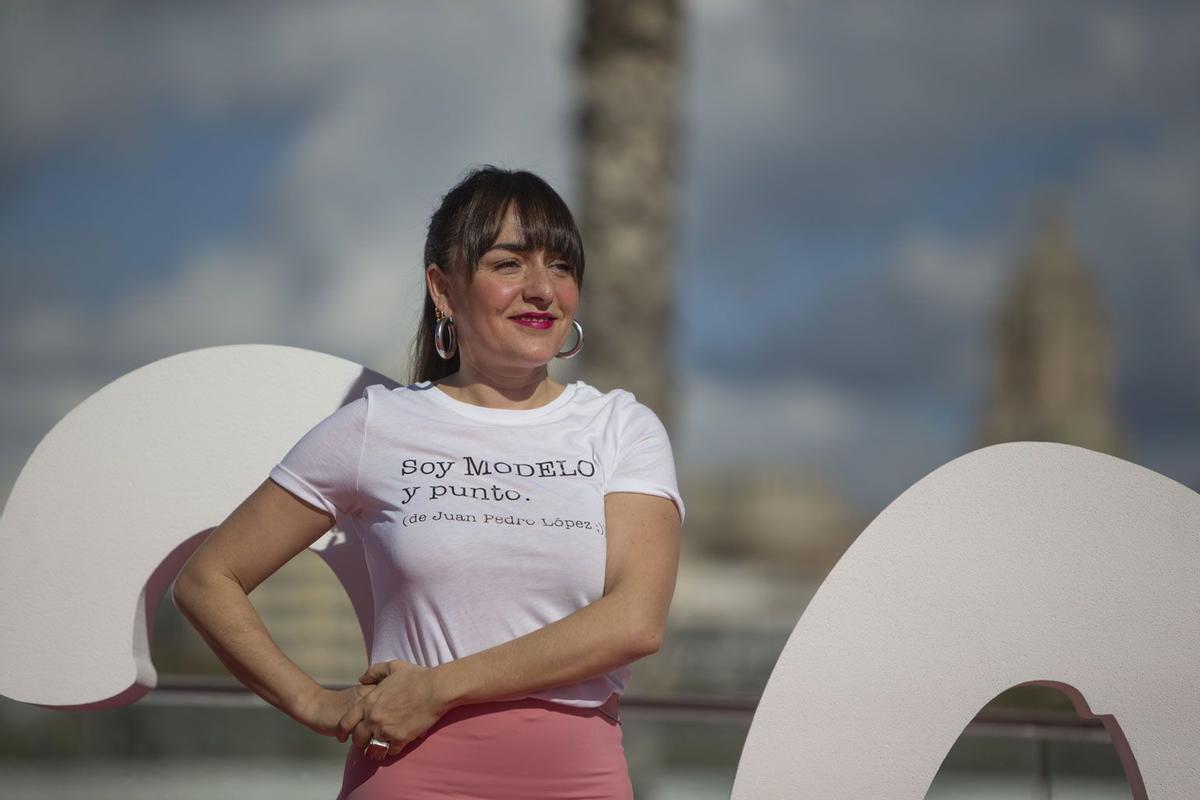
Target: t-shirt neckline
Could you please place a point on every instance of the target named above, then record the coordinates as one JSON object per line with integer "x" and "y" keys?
{"x": 509, "y": 416}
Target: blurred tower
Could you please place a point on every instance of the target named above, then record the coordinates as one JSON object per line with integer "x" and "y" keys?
{"x": 629, "y": 56}
{"x": 1052, "y": 374}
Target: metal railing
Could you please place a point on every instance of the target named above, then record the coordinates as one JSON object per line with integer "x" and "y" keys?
{"x": 204, "y": 690}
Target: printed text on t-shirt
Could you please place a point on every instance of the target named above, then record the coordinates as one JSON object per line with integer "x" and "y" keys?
{"x": 470, "y": 467}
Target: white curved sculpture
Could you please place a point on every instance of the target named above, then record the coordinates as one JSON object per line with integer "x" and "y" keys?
{"x": 1018, "y": 563}
{"x": 120, "y": 492}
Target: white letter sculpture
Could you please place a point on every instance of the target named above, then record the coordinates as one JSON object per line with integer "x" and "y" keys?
{"x": 125, "y": 487}
{"x": 1019, "y": 563}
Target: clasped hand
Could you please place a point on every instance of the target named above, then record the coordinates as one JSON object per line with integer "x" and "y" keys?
{"x": 397, "y": 702}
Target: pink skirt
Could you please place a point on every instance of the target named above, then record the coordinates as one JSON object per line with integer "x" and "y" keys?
{"x": 512, "y": 750}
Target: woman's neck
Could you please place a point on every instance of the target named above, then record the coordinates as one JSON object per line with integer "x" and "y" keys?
{"x": 529, "y": 389}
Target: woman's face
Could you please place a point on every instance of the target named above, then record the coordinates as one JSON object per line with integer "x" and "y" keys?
{"x": 516, "y": 311}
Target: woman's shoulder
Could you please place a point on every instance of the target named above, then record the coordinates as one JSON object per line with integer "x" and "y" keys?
{"x": 396, "y": 390}
{"x": 619, "y": 403}
{"x": 586, "y": 393}
{"x": 392, "y": 397}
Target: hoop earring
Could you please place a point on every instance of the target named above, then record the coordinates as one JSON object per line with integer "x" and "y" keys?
{"x": 574, "y": 351}
{"x": 445, "y": 340}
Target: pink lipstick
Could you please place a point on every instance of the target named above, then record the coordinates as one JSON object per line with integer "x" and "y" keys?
{"x": 534, "y": 320}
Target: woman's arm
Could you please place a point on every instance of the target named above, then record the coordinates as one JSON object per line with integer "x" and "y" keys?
{"x": 623, "y": 625}
{"x": 263, "y": 533}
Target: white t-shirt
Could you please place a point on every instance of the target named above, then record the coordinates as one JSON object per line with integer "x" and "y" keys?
{"x": 479, "y": 524}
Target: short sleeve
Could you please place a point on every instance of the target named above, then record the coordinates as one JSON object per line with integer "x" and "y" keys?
{"x": 322, "y": 468}
{"x": 644, "y": 461}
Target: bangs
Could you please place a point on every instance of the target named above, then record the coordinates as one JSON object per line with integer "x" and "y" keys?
{"x": 543, "y": 220}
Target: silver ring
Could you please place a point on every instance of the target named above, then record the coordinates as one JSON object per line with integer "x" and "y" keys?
{"x": 377, "y": 743}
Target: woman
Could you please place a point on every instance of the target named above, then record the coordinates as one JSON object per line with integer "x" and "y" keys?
{"x": 522, "y": 536}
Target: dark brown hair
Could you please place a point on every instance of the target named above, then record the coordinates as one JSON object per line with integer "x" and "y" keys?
{"x": 466, "y": 225}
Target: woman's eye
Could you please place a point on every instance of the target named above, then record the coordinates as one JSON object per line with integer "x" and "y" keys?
{"x": 507, "y": 265}
{"x": 564, "y": 267}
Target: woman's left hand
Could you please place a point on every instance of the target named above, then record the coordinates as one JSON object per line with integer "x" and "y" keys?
{"x": 404, "y": 705}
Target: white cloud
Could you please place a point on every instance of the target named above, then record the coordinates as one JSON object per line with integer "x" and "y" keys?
{"x": 39, "y": 334}
{"x": 394, "y": 115}
{"x": 393, "y": 103}
{"x": 70, "y": 70}
{"x": 846, "y": 98}
{"x": 874, "y": 445}
{"x": 957, "y": 277}
{"x": 798, "y": 419}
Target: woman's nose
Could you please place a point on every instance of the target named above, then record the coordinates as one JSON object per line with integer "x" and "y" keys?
{"x": 537, "y": 280}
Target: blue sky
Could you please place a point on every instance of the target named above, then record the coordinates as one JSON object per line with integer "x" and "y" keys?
{"x": 112, "y": 216}
{"x": 857, "y": 180}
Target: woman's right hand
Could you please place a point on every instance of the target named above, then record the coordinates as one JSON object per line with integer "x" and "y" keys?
{"x": 327, "y": 707}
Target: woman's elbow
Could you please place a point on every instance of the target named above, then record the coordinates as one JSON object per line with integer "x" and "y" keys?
{"x": 646, "y": 640}
{"x": 193, "y": 583}
{"x": 184, "y": 589}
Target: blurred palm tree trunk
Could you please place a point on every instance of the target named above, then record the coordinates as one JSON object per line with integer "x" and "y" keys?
{"x": 629, "y": 57}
